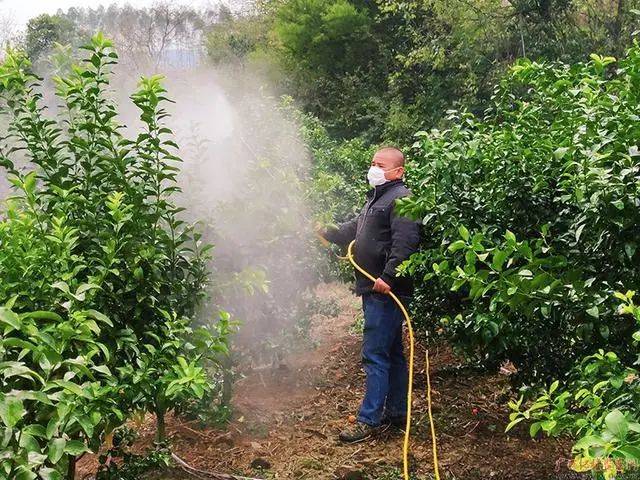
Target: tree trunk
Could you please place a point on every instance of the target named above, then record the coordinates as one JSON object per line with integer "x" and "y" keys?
{"x": 227, "y": 380}
{"x": 71, "y": 469}
{"x": 617, "y": 29}
{"x": 160, "y": 425}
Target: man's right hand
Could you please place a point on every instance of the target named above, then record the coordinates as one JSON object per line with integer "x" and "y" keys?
{"x": 380, "y": 286}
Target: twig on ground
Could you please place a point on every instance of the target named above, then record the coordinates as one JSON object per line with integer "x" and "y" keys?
{"x": 353, "y": 454}
{"x": 184, "y": 427}
{"x": 217, "y": 439}
{"x": 196, "y": 472}
{"x": 474, "y": 427}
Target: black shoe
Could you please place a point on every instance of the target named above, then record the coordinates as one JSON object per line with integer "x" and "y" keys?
{"x": 395, "y": 422}
{"x": 360, "y": 432}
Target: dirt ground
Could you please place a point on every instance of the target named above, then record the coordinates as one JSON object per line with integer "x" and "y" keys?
{"x": 286, "y": 421}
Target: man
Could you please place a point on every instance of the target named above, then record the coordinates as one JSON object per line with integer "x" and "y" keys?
{"x": 383, "y": 241}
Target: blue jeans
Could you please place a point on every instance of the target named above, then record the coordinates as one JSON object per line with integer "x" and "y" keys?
{"x": 383, "y": 360}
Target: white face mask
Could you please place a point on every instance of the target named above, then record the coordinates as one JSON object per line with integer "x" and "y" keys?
{"x": 376, "y": 176}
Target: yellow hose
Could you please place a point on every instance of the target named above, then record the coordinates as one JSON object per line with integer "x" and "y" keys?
{"x": 407, "y": 432}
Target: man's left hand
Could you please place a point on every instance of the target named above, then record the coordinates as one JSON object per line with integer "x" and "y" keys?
{"x": 319, "y": 231}
{"x": 380, "y": 286}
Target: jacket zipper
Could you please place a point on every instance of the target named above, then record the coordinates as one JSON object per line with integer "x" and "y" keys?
{"x": 366, "y": 212}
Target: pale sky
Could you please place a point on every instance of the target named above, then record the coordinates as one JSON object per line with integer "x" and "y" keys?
{"x": 22, "y": 10}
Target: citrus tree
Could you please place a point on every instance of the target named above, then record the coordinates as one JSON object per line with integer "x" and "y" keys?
{"x": 531, "y": 225}
{"x": 531, "y": 218}
{"x": 99, "y": 276}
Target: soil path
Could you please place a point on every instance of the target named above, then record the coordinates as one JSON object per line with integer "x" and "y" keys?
{"x": 286, "y": 420}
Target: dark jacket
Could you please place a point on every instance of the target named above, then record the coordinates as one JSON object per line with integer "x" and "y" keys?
{"x": 383, "y": 239}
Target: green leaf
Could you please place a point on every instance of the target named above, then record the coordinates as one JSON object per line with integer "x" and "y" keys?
{"x": 588, "y": 442}
{"x": 617, "y": 424}
{"x": 6, "y": 434}
{"x": 85, "y": 287}
{"x": 620, "y": 296}
{"x": 102, "y": 369}
{"x": 616, "y": 382}
{"x": 50, "y": 474}
{"x": 499, "y": 258}
{"x": 62, "y": 286}
{"x": 534, "y": 429}
{"x": 593, "y": 311}
{"x": 11, "y": 302}
{"x": 510, "y": 237}
{"x": 493, "y": 328}
{"x": 630, "y": 249}
{"x": 11, "y": 411}
{"x": 138, "y": 274}
{"x": 464, "y": 233}
{"x": 56, "y": 449}
{"x": 630, "y": 452}
{"x": 52, "y": 426}
{"x": 75, "y": 448}
{"x": 73, "y": 388}
{"x": 100, "y": 317}
{"x": 548, "y": 425}
{"x": 9, "y": 318}
{"x": 470, "y": 257}
{"x": 35, "y": 430}
{"x": 30, "y": 182}
{"x": 86, "y": 425}
{"x": 560, "y": 152}
{"x": 29, "y": 443}
{"x": 457, "y": 245}
{"x": 25, "y": 475}
{"x": 513, "y": 423}
{"x": 42, "y": 315}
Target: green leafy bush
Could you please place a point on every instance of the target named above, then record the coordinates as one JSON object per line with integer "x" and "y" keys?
{"x": 58, "y": 396}
{"x": 531, "y": 217}
{"x": 99, "y": 276}
{"x": 383, "y": 69}
{"x": 131, "y": 466}
{"x": 338, "y": 171}
{"x": 598, "y": 403}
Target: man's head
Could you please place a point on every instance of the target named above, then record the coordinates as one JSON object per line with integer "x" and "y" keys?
{"x": 391, "y": 160}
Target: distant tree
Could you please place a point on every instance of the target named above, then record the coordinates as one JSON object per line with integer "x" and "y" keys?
{"x": 146, "y": 37}
{"x": 329, "y": 36}
{"x": 386, "y": 68}
{"x": 44, "y": 31}
{"x": 8, "y": 30}
{"x": 231, "y": 40}
{"x": 224, "y": 14}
